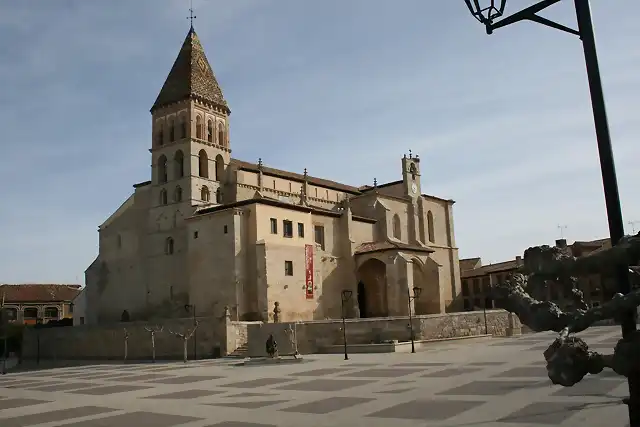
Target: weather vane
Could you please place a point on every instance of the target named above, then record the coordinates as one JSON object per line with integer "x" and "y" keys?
{"x": 191, "y": 16}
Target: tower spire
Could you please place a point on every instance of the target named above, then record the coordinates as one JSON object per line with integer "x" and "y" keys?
{"x": 191, "y": 16}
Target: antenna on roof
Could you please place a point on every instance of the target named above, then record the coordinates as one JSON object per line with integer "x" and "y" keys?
{"x": 562, "y": 228}
{"x": 191, "y": 16}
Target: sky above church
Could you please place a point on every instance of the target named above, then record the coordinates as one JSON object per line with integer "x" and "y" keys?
{"x": 344, "y": 88}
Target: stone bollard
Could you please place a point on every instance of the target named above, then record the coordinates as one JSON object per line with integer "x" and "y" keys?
{"x": 514, "y": 328}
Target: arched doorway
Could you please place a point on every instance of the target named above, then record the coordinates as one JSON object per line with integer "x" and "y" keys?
{"x": 427, "y": 277}
{"x": 372, "y": 289}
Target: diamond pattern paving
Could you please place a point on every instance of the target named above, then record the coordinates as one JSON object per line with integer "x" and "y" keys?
{"x": 326, "y": 406}
{"x": 18, "y": 403}
{"x": 479, "y": 384}
{"x": 382, "y": 373}
{"x": 324, "y": 385}
{"x": 491, "y": 388}
{"x": 546, "y": 413}
{"x": 426, "y": 410}
{"x": 110, "y": 389}
{"x": 137, "y": 419}
{"x": 53, "y": 416}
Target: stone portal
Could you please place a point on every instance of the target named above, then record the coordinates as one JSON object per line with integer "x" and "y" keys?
{"x": 372, "y": 289}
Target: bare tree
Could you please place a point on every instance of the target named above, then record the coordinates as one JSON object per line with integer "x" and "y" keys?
{"x": 153, "y": 331}
{"x": 126, "y": 344}
{"x": 185, "y": 338}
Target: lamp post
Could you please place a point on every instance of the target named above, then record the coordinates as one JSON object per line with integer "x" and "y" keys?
{"x": 416, "y": 294}
{"x": 345, "y": 296}
{"x": 192, "y": 307}
{"x": 487, "y": 15}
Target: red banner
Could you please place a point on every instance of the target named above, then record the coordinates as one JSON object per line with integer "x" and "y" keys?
{"x": 308, "y": 262}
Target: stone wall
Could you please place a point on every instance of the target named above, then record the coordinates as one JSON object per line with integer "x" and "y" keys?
{"x": 216, "y": 336}
{"x": 107, "y": 341}
{"x": 312, "y": 335}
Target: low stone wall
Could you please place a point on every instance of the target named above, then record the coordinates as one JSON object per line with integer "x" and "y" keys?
{"x": 107, "y": 341}
{"x": 313, "y": 335}
{"x": 221, "y": 337}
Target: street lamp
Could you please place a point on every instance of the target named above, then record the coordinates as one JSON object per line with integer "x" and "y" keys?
{"x": 344, "y": 297}
{"x": 416, "y": 294}
{"x": 487, "y": 16}
{"x": 192, "y": 307}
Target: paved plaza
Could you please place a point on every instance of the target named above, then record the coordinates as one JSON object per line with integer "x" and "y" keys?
{"x": 499, "y": 382}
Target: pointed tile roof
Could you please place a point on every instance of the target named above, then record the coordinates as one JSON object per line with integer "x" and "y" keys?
{"x": 191, "y": 77}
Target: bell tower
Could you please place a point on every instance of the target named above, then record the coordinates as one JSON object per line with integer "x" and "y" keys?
{"x": 411, "y": 175}
{"x": 190, "y": 150}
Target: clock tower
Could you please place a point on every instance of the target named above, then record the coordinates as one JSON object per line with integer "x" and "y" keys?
{"x": 411, "y": 175}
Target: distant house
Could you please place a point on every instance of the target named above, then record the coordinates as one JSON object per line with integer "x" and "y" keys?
{"x": 477, "y": 278}
{"x": 28, "y": 303}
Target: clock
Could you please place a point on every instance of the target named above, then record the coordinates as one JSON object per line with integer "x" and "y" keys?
{"x": 414, "y": 188}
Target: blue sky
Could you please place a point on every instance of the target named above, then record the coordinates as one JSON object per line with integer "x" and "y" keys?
{"x": 342, "y": 87}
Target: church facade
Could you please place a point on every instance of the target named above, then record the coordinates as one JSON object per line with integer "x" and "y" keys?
{"x": 209, "y": 231}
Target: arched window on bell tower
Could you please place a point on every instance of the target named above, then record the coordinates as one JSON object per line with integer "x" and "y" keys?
{"x": 210, "y": 130}
{"x": 183, "y": 127}
{"x": 172, "y": 130}
{"x": 199, "y": 127}
{"x": 178, "y": 160}
{"x": 162, "y": 169}
{"x": 203, "y": 164}
{"x": 221, "y": 136}
{"x": 160, "y": 135}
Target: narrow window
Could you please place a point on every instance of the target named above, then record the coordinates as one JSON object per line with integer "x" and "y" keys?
{"x": 218, "y": 195}
{"x": 118, "y": 241}
{"x": 221, "y": 140}
{"x": 163, "y": 197}
{"x": 162, "y": 169}
{"x": 226, "y": 229}
{"x": 198, "y": 127}
{"x": 319, "y": 235}
{"x": 183, "y": 127}
{"x": 172, "y": 131}
{"x": 210, "y": 131}
{"x": 300, "y": 229}
{"x": 287, "y": 228}
{"x": 203, "y": 164}
{"x": 195, "y": 234}
{"x": 160, "y": 135}
{"x": 288, "y": 268}
{"x": 177, "y": 197}
{"x": 274, "y": 225}
{"x": 178, "y": 160}
{"x": 397, "y": 227}
{"x": 168, "y": 248}
{"x": 430, "y": 227}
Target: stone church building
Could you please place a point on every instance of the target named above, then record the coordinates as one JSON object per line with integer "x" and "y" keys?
{"x": 209, "y": 231}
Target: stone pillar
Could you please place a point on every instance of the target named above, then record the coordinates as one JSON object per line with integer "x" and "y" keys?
{"x": 514, "y": 327}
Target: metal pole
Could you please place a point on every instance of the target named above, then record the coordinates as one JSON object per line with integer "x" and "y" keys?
{"x": 195, "y": 334}
{"x": 5, "y": 332}
{"x": 609, "y": 182}
{"x": 413, "y": 347}
{"x": 484, "y": 312}
{"x": 344, "y": 329}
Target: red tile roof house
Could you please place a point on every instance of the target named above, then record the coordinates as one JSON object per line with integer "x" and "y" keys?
{"x": 26, "y": 303}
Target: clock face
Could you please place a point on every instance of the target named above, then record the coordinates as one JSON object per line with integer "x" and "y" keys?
{"x": 414, "y": 187}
